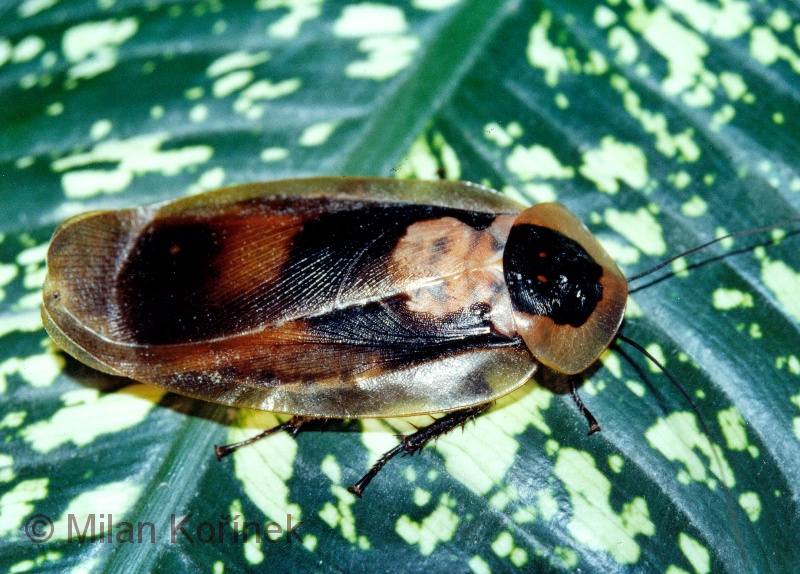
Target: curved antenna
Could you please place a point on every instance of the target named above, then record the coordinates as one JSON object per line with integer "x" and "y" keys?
{"x": 712, "y": 242}
{"x": 704, "y": 427}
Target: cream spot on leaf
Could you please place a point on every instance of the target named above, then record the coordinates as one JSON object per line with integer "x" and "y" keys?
{"x": 640, "y": 228}
{"x": 439, "y": 526}
{"x": 115, "y": 499}
{"x": 594, "y": 523}
{"x": 613, "y": 162}
{"x": 695, "y": 553}
{"x": 16, "y": 504}
{"x": 87, "y": 415}
{"x": 677, "y": 437}
{"x": 92, "y": 46}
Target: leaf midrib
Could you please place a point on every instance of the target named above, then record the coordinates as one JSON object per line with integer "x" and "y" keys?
{"x": 427, "y": 87}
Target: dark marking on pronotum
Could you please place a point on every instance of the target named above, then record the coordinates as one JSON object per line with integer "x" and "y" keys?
{"x": 562, "y": 283}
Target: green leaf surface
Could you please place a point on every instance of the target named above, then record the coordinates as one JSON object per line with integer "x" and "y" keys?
{"x": 660, "y": 125}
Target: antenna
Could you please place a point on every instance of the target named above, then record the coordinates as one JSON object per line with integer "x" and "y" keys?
{"x": 712, "y": 242}
{"x": 703, "y": 426}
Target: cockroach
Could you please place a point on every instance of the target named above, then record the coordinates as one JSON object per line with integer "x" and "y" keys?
{"x": 337, "y": 297}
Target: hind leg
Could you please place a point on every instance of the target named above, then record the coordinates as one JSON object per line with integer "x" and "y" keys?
{"x": 292, "y": 426}
{"x": 415, "y": 442}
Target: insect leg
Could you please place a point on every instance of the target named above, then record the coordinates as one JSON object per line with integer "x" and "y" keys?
{"x": 594, "y": 426}
{"x": 415, "y": 442}
{"x": 292, "y": 426}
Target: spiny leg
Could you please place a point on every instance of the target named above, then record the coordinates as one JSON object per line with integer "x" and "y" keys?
{"x": 292, "y": 426}
{"x": 594, "y": 426}
{"x": 416, "y": 442}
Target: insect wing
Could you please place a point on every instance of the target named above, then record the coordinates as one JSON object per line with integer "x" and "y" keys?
{"x": 336, "y": 302}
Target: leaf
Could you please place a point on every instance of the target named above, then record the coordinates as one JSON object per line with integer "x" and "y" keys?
{"x": 662, "y": 126}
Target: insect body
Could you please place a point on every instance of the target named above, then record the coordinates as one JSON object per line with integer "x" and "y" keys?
{"x": 335, "y": 297}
